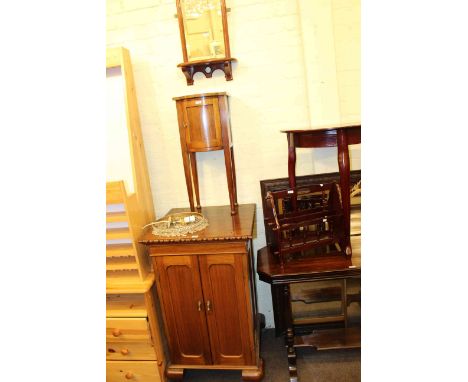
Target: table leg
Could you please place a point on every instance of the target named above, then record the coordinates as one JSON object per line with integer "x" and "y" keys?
{"x": 234, "y": 175}
{"x": 228, "y": 163}
{"x": 292, "y": 166}
{"x": 278, "y": 309}
{"x": 193, "y": 164}
{"x": 188, "y": 178}
{"x": 290, "y": 336}
{"x": 344, "y": 168}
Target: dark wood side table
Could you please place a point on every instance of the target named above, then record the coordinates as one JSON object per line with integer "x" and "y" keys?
{"x": 206, "y": 285}
{"x": 336, "y": 136}
{"x": 204, "y": 125}
{"x": 307, "y": 269}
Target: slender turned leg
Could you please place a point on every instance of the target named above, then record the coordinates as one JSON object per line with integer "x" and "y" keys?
{"x": 343, "y": 165}
{"x": 188, "y": 178}
{"x": 227, "y": 161}
{"x": 193, "y": 164}
{"x": 290, "y": 336}
{"x": 234, "y": 175}
{"x": 292, "y": 166}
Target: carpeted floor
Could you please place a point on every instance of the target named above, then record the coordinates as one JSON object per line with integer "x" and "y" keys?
{"x": 312, "y": 366}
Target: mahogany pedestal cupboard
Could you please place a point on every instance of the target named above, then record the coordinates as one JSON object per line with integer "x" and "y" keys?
{"x": 204, "y": 126}
{"x": 206, "y": 284}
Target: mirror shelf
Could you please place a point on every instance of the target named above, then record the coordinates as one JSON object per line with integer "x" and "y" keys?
{"x": 207, "y": 67}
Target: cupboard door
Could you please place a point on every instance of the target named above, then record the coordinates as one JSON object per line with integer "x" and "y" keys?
{"x": 228, "y": 308}
{"x": 203, "y": 124}
{"x": 182, "y": 299}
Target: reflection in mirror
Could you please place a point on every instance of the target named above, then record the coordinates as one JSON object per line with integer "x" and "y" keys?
{"x": 203, "y": 26}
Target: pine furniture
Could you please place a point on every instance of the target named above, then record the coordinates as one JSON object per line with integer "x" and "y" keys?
{"x": 204, "y": 125}
{"x": 134, "y": 344}
{"x": 206, "y": 284}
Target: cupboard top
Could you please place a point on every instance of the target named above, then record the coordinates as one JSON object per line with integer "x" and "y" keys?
{"x": 222, "y": 226}
{"x": 200, "y": 96}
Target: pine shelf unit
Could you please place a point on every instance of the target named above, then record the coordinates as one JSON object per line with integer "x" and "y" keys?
{"x": 134, "y": 340}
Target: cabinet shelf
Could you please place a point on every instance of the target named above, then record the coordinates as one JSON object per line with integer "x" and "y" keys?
{"x": 343, "y": 338}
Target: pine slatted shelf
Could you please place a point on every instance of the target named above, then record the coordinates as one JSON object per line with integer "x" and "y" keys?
{"x": 127, "y": 262}
{"x": 120, "y": 250}
{"x": 113, "y": 217}
{"x": 121, "y": 263}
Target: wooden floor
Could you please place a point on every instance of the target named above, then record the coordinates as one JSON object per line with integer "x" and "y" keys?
{"x": 313, "y": 366}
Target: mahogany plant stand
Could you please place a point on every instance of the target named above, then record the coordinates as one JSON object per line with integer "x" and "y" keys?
{"x": 204, "y": 126}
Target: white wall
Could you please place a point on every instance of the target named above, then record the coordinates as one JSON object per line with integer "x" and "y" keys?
{"x": 272, "y": 90}
{"x": 118, "y": 157}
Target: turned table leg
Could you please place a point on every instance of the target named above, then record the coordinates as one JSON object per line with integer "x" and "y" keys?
{"x": 290, "y": 336}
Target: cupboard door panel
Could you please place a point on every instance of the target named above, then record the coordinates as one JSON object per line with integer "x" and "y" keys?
{"x": 182, "y": 298}
{"x": 227, "y": 307}
{"x": 203, "y": 124}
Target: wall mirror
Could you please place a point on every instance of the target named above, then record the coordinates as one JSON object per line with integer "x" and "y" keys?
{"x": 204, "y": 36}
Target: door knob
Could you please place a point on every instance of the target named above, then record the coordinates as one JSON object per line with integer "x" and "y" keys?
{"x": 208, "y": 306}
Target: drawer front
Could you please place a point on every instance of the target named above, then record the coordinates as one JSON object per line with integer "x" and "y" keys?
{"x": 127, "y": 329}
{"x": 122, "y": 351}
{"x": 132, "y": 371}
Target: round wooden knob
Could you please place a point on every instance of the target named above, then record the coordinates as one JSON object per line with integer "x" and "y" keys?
{"x": 124, "y": 351}
{"x": 116, "y": 332}
{"x": 129, "y": 375}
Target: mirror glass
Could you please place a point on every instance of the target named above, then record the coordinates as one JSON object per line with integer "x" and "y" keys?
{"x": 203, "y": 27}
